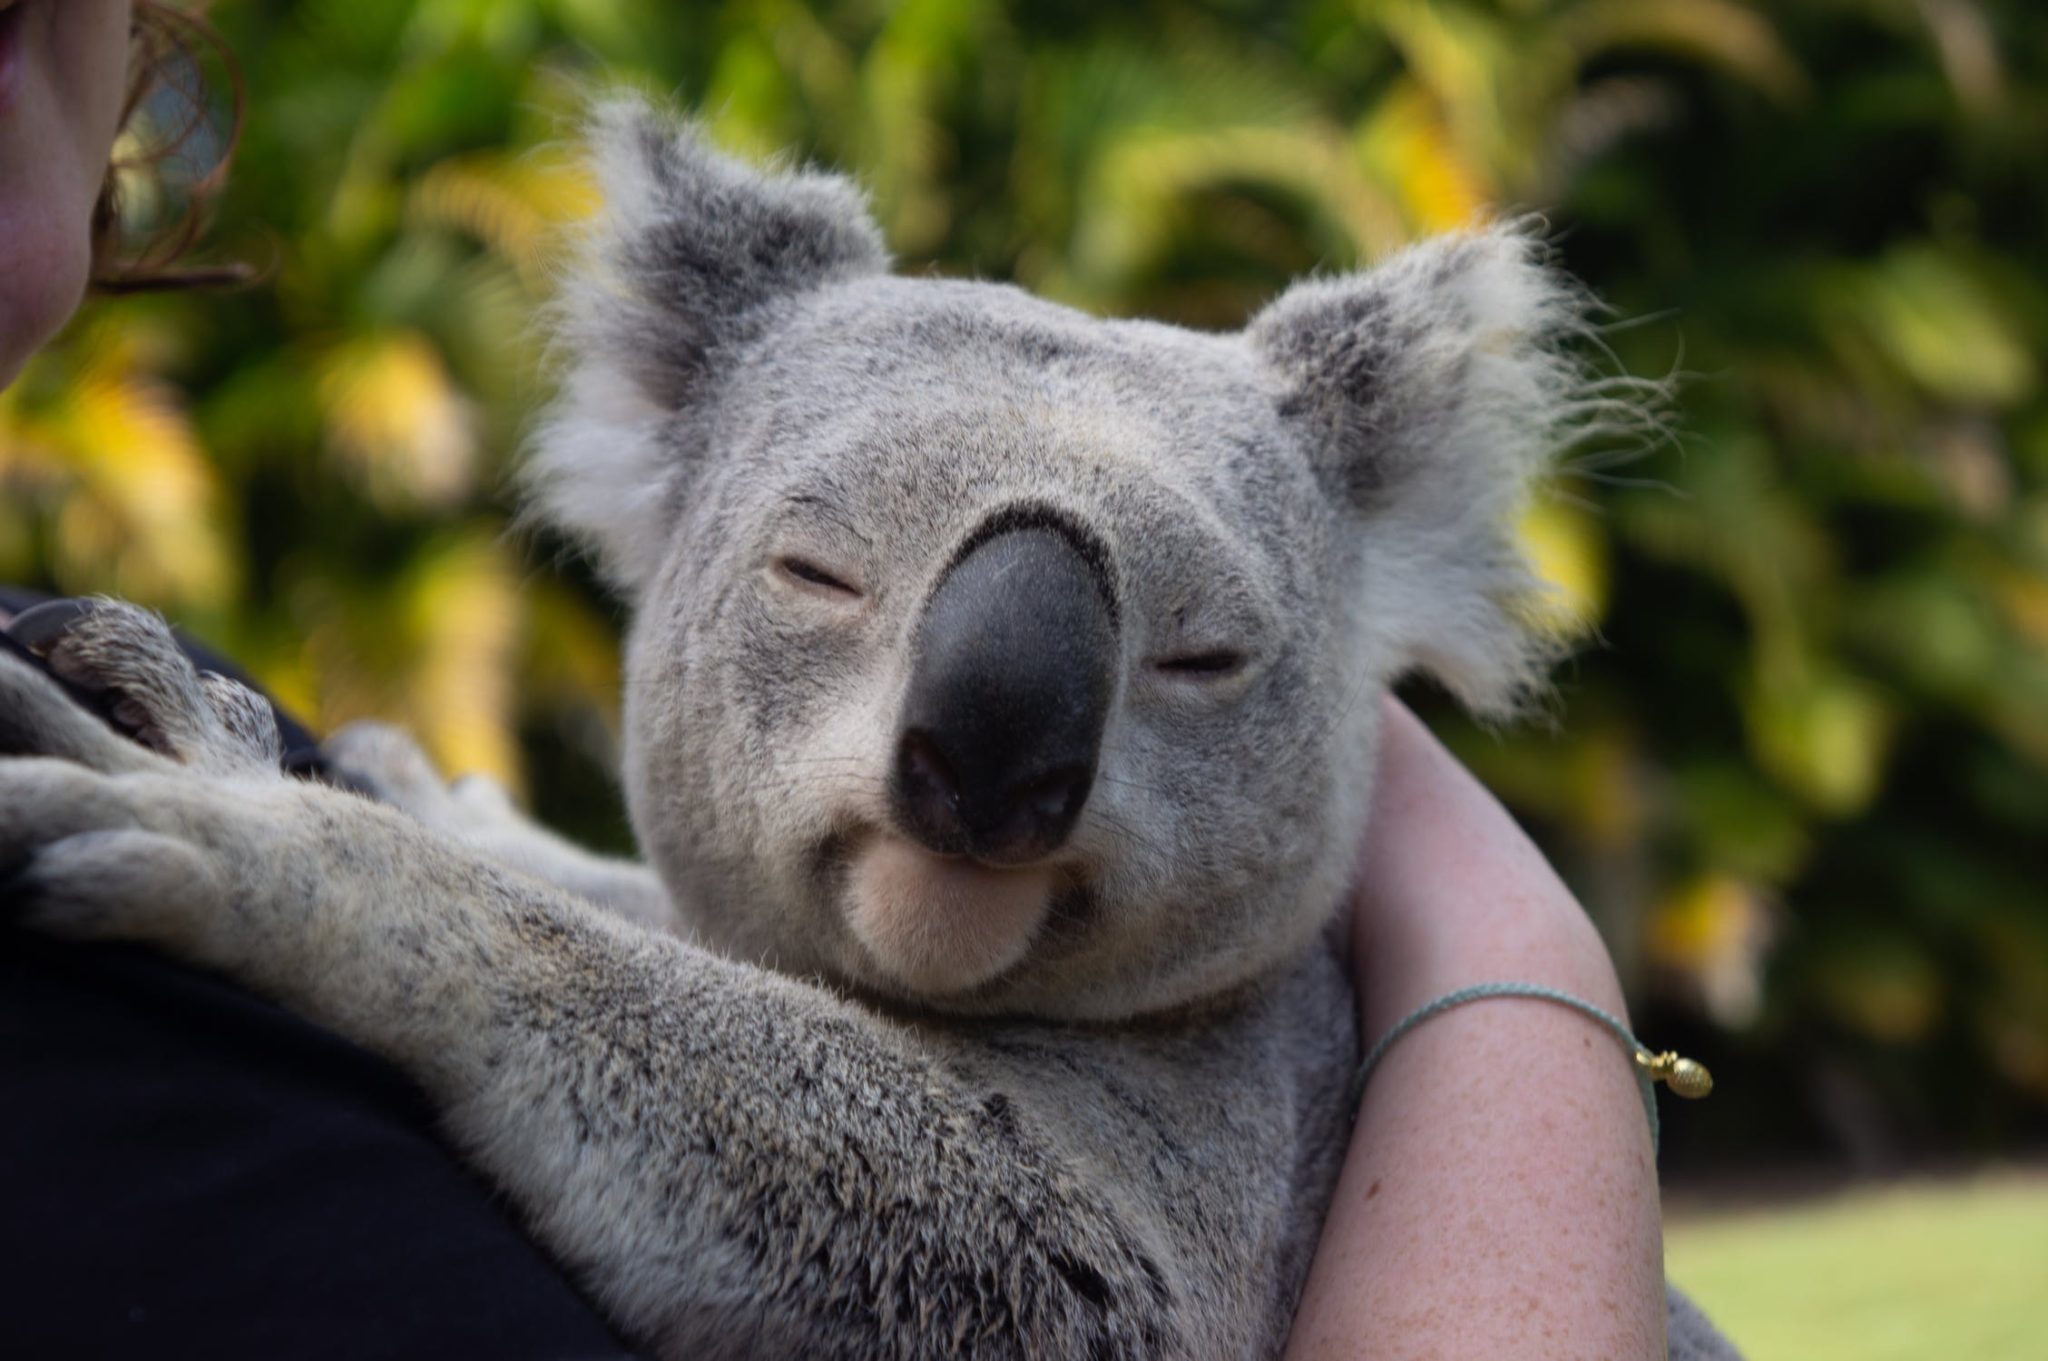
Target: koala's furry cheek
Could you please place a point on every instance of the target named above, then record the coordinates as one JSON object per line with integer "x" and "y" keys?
{"x": 942, "y": 926}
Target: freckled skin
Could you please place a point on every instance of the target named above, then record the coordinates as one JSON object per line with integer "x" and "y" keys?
{"x": 749, "y": 1129}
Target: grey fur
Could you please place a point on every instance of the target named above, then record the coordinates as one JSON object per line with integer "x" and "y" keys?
{"x": 743, "y": 1132}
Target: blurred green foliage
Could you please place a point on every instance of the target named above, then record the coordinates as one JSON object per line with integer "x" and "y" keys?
{"x": 1800, "y": 772}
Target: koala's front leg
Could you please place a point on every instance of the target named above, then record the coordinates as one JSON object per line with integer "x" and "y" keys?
{"x": 735, "y": 1163}
{"x": 477, "y": 811}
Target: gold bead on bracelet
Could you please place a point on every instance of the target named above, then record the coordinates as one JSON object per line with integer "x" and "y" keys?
{"x": 1683, "y": 1076}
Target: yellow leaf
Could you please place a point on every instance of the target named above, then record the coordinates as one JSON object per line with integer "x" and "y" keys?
{"x": 134, "y": 507}
{"x": 1569, "y": 554}
{"x": 1468, "y": 66}
{"x": 1713, "y": 932}
{"x": 1408, "y": 145}
{"x": 463, "y": 609}
{"x": 1950, "y": 331}
{"x": 396, "y": 421}
{"x": 1144, "y": 179}
{"x": 515, "y": 205}
{"x": 1827, "y": 737}
{"x": 1731, "y": 36}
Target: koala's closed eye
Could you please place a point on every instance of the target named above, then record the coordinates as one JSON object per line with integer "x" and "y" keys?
{"x": 1208, "y": 664}
{"x": 1214, "y": 641}
{"x": 810, "y": 576}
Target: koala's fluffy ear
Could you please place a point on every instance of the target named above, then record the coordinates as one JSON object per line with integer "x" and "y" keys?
{"x": 1432, "y": 391}
{"x": 686, "y": 260}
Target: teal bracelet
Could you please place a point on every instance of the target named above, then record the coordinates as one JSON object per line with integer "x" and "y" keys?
{"x": 1685, "y": 1077}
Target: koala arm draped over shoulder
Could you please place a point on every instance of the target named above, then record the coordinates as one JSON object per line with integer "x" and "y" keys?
{"x": 994, "y": 706}
{"x": 733, "y": 1162}
{"x": 479, "y": 813}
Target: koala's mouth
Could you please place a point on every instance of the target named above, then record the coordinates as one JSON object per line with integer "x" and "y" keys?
{"x": 938, "y": 925}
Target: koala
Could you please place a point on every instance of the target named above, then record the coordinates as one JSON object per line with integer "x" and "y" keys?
{"x": 1000, "y": 717}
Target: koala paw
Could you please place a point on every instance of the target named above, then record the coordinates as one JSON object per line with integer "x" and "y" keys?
{"x": 124, "y": 662}
{"x": 119, "y": 765}
{"x": 390, "y": 766}
{"x": 86, "y": 855}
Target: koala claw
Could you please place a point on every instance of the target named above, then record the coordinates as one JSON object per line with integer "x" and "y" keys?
{"x": 38, "y": 717}
{"x": 101, "y": 836}
{"x": 126, "y": 658}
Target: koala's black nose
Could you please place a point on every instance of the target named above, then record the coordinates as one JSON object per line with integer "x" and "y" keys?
{"x": 1014, "y": 666}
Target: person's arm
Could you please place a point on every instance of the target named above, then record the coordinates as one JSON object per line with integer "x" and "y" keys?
{"x": 1500, "y": 1196}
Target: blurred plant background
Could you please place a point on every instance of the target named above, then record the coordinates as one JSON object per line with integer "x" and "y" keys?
{"x": 1800, "y": 768}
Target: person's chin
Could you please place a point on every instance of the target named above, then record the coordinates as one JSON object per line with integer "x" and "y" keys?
{"x": 44, "y": 268}
{"x": 51, "y": 167}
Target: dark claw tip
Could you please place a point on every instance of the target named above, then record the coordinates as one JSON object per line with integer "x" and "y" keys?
{"x": 46, "y": 623}
{"x": 40, "y": 626}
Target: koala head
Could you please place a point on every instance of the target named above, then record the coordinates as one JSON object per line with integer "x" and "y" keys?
{"x": 998, "y": 658}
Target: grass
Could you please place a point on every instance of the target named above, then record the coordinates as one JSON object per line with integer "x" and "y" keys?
{"x": 1916, "y": 1272}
